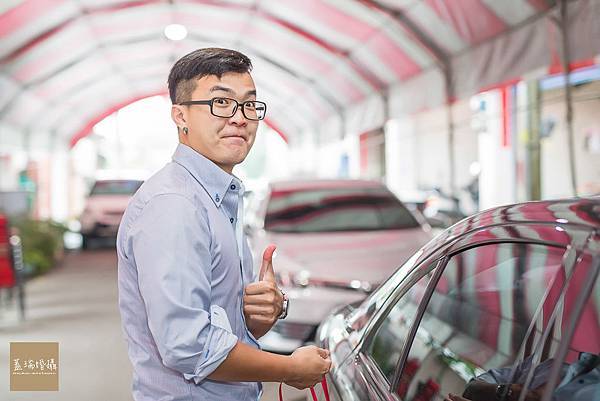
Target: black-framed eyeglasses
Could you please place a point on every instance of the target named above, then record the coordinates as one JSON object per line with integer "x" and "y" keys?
{"x": 226, "y": 107}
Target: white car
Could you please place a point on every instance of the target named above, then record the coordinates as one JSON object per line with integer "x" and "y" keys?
{"x": 104, "y": 208}
{"x": 337, "y": 240}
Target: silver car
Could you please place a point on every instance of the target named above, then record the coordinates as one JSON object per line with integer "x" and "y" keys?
{"x": 337, "y": 240}
{"x": 505, "y": 305}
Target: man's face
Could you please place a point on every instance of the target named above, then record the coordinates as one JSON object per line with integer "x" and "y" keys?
{"x": 225, "y": 141}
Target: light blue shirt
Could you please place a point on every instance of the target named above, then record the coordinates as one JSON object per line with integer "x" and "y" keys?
{"x": 181, "y": 281}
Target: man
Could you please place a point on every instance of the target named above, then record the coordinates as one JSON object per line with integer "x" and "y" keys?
{"x": 191, "y": 308}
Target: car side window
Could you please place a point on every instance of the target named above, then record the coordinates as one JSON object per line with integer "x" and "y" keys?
{"x": 578, "y": 369}
{"x": 386, "y": 344}
{"x": 487, "y": 312}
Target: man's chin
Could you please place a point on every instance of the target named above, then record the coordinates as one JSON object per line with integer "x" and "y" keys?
{"x": 233, "y": 160}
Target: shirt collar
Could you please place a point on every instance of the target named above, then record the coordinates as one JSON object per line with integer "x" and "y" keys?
{"x": 214, "y": 180}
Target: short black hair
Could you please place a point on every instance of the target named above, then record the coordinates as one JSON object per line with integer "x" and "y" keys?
{"x": 200, "y": 63}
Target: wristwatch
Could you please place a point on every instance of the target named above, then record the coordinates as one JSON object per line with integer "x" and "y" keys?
{"x": 504, "y": 392}
{"x": 286, "y": 303}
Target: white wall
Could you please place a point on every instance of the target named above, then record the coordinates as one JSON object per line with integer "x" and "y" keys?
{"x": 13, "y": 157}
{"x": 400, "y": 156}
{"x": 431, "y": 146}
{"x": 496, "y": 180}
{"x": 58, "y": 185}
{"x": 555, "y": 162}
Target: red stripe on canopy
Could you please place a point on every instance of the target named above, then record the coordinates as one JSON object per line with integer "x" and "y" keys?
{"x": 399, "y": 61}
{"x": 87, "y": 129}
{"x": 471, "y": 19}
{"x": 276, "y": 128}
{"x": 24, "y": 14}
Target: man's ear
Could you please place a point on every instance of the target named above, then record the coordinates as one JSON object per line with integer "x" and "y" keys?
{"x": 178, "y": 115}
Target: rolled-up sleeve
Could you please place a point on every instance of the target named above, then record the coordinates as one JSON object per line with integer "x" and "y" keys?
{"x": 171, "y": 246}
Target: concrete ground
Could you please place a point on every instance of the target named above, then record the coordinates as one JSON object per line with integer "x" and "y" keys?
{"x": 76, "y": 306}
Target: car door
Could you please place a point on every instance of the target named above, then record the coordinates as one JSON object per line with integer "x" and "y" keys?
{"x": 488, "y": 313}
{"x": 575, "y": 373}
{"x": 368, "y": 374}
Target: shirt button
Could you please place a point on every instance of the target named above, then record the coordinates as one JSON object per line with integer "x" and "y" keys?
{"x": 231, "y": 219}
{"x": 217, "y": 198}
{"x": 232, "y": 186}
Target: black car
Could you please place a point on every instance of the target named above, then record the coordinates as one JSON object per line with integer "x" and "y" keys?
{"x": 504, "y": 305}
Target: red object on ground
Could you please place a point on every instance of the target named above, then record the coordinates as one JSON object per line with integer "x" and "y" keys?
{"x": 312, "y": 391}
{"x": 7, "y": 273}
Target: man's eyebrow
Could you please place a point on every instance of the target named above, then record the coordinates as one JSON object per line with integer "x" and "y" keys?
{"x": 229, "y": 90}
{"x": 221, "y": 88}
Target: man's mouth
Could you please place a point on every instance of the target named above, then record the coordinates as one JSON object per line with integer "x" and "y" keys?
{"x": 236, "y": 136}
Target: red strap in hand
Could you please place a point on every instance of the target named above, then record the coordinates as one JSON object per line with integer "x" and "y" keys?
{"x": 312, "y": 391}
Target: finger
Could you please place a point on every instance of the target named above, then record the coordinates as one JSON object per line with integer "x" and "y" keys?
{"x": 261, "y": 319}
{"x": 259, "y": 310}
{"x": 323, "y": 353}
{"x": 266, "y": 268}
{"x": 260, "y": 287}
{"x": 261, "y": 299}
{"x": 327, "y": 365}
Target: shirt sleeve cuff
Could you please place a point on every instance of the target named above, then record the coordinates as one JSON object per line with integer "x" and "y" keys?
{"x": 220, "y": 342}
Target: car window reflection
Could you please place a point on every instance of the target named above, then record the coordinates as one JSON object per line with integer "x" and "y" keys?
{"x": 336, "y": 209}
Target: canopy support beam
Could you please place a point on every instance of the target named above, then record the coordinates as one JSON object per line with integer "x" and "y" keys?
{"x": 449, "y": 87}
{"x": 533, "y": 145}
{"x": 566, "y": 62}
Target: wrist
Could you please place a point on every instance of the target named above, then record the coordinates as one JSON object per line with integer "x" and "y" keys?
{"x": 284, "y": 305}
{"x": 289, "y": 370}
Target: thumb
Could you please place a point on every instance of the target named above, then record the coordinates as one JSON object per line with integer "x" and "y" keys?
{"x": 266, "y": 269}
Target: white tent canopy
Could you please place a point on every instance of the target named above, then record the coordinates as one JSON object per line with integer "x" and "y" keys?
{"x": 322, "y": 66}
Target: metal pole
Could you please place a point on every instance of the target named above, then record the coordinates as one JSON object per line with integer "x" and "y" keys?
{"x": 533, "y": 160}
{"x": 386, "y": 116}
{"x": 566, "y": 61}
{"x": 450, "y": 121}
{"x": 17, "y": 257}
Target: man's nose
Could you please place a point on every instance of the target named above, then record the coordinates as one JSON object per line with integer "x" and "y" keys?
{"x": 238, "y": 117}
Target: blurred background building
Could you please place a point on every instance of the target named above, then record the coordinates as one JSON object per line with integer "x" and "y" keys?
{"x": 419, "y": 94}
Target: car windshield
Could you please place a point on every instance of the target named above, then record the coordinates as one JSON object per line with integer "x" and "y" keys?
{"x": 336, "y": 209}
{"x": 115, "y": 187}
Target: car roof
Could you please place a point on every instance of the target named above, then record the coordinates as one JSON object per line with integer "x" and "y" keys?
{"x": 573, "y": 212}
{"x": 289, "y": 185}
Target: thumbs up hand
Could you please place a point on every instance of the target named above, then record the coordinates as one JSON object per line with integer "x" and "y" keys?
{"x": 266, "y": 269}
{"x": 263, "y": 302}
